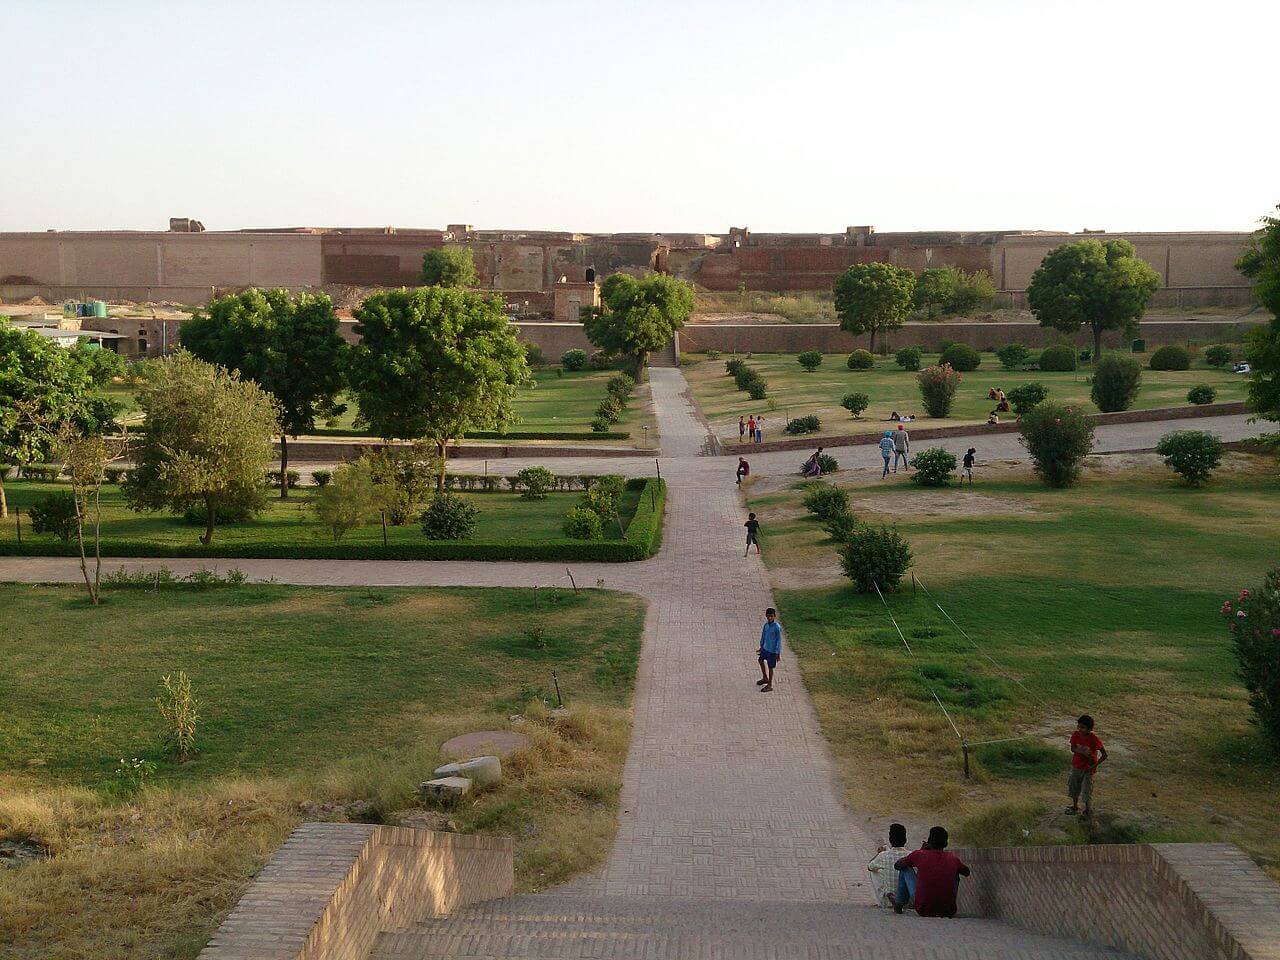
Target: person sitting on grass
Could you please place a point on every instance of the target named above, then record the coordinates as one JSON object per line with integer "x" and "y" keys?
{"x": 884, "y": 879}
{"x": 1087, "y": 753}
{"x": 993, "y": 418}
{"x": 938, "y": 876}
{"x": 770, "y": 651}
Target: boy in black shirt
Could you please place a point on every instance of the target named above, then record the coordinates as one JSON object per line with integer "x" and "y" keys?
{"x": 967, "y": 469}
{"x": 753, "y": 532}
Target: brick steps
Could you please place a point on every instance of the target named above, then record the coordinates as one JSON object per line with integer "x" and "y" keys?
{"x": 653, "y": 928}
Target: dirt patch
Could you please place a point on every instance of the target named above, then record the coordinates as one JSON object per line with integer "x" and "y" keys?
{"x": 1233, "y": 462}
{"x": 19, "y": 853}
{"x": 941, "y": 503}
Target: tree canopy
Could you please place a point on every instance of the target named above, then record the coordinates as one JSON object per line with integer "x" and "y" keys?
{"x": 288, "y": 345}
{"x": 434, "y": 363}
{"x": 870, "y": 297}
{"x": 1261, "y": 263}
{"x": 638, "y": 314}
{"x": 206, "y": 440}
{"x": 449, "y": 267}
{"x": 1102, "y": 284}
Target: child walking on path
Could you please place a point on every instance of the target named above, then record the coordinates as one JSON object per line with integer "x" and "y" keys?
{"x": 770, "y": 648}
{"x": 967, "y": 469}
{"x": 753, "y": 532}
{"x": 1087, "y": 753}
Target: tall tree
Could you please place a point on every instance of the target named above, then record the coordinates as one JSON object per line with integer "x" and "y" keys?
{"x": 206, "y": 439}
{"x": 870, "y": 297}
{"x": 638, "y": 314}
{"x": 42, "y": 387}
{"x": 449, "y": 267}
{"x": 1103, "y": 284}
{"x": 1261, "y": 263}
{"x": 434, "y": 363}
{"x": 288, "y": 345}
{"x": 935, "y": 288}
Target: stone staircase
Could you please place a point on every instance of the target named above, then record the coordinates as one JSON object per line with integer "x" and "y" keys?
{"x": 666, "y": 357}
{"x": 558, "y": 925}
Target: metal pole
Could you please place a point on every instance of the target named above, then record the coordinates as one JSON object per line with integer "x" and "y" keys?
{"x": 571, "y": 580}
{"x": 17, "y": 513}
{"x": 657, "y": 466}
{"x": 556, "y": 680}
{"x": 964, "y": 745}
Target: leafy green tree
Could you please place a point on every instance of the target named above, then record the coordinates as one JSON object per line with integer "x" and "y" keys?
{"x": 1102, "y": 284}
{"x": 288, "y": 345}
{"x": 1261, "y": 263}
{"x": 935, "y": 288}
{"x": 102, "y": 365}
{"x": 449, "y": 267}
{"x": 351, "y": 499}
{"x": 870, "y": 297}
{"x": 638, "y": 314}
{"x": 206, "y": 441}
{"x": 434, "y": 363}
{"x": 42, "y": 388}
{"x": 1116, "y": 380}
{"x": 810, "y": 360}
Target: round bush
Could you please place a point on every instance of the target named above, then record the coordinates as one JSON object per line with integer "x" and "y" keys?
{"x": 909, "y": 358}
{"x": 1254, "y": 621}
{"x": 573, "y": 359}
{"x": 962, "y": 357}
{"x": 757, "y": 389}
{"x": 825, "y": 501}
{"x": 875, "y": 556}
{"x": 1058, "y": 358}
{"x": 610, "y": 409}
{"x": 1219, "y": 355}
{"x": 933, "y": 467}
{"x": 600, "y": 360}
{"x": 1193, "y": 454}
{"x": 733, "y": 366}
{"x": 583, "y": 524}
{"x": 1013, "y": 356}
{"x": 1116, "y": 380}
{"x": 55, "y": 513}
{"x": 1027, "y": 396}
{"x": 811, "y": 360}
{"x": 224, "y": 513}
{"x": 601, "y": 425}
{"x": 861, "y": 360}
{"x": 449, "y": 517}
{"x": 621, "y": 386}
{"x": 828, "y": 463}
{"x": 713, "y": 354}
{"x": 321, "y": 478}
{"x": 855, "y": 403}
{"x": 1201, "y": 394}
{"x": 1058, "y": 439}
{"x": 809, "y": 424}
{"x": 1171, "y": 357}
{"x": 938, "y": 385}
{"x": 535, "y": 483}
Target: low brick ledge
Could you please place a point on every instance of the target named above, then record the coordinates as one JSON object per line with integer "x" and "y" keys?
{"x": 332, "y": 888}
{"x": 810, "y": 440}
{"x": 1164, "y": 901}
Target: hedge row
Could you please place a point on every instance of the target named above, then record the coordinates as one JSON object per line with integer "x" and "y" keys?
{"x": 494, "y": 434}
{"x": 641, "y": 540}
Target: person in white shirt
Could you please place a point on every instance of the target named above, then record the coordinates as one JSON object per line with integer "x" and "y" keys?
{"x": 884, "y": 879}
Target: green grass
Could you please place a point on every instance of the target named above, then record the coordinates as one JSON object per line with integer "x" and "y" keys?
{"x": 310, "y": 698}
{"x": 795, "y": 393}
{"x": 1101, "y": 599}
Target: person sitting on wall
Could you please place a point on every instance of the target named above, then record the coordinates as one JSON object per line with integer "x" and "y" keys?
{"x": 938, "y": 876}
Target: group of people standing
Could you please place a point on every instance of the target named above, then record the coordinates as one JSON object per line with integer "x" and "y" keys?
{"x": 895, "y": 444}
{"x": 751, "y": 430}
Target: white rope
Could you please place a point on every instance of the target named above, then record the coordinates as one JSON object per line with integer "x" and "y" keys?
{"x": 925, "y": 679}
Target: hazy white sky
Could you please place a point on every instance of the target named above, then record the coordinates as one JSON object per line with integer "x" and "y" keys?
{"x": 679, "y": 116}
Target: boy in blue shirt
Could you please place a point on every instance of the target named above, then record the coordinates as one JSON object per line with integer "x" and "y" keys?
{"x": 770, "y": 649}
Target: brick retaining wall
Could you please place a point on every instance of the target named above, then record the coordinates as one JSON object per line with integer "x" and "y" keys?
{"x": 335, "y": 451}
{"x": 331, "y": 888}
{"x": 1181, "y": 901}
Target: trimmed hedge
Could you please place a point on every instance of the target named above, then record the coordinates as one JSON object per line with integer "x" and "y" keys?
{"x": 491, "y": 434}
{"x": 1059, "y": 358}
{"x": 641, "y": 540}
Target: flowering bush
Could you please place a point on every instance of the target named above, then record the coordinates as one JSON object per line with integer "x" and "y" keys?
{"x": 938, "y": 385}
{"x": 1194, "y": 454}
{"x": 933, "y": 467}
{"x": 1058, "y": 439}
{"x": 1254, "y": 621}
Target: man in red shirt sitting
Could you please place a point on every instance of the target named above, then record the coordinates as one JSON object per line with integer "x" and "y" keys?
{"x": 1087, "y": 752}
{"x": 938, "y": 876}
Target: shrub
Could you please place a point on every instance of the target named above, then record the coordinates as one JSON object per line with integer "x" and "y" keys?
{"x": 733, "y": 366}
{"x": 321, "y": 478}
{"x": 609, "y": 410}
{"x": 1116, "y": 380}
{"x": 1171, "y": 357}
{"x": 757, "y": 389}
{"x": 945, "y": 345}
{"x": 46, "y": 472}
{"x": 535, "y": 483}
{"x": 1219, "y": 355}
{"x": 533, "y": 355}
{"x": 825, "y": 501}
{"x": 55, "y": 513}
{"x": 713, "y": 354}
{"x": 273, "y": 479}
{"x": 811, "y": 360}
{"x": 600, "y": 360}
{"x": 1058, "y": 358}
{"x": 861, "y": 360}
{"x": 1201, "y": 394}
{"x": 573, "y": 359}
{"x": 180, "y": 711}
{"x": 828, "y": 463}
{"x": 1058, "y": 439}
{"x": 1192, "y": 453}
{"x": 244, "y": 508}
{"x": 351, "y": 500}
{"x": 1027, "y": 396}
{"x": 621, "y": 385}
{"x": 875, "y": 556}
{"x": 808, "y": 424}
{"x": 938, "y": 385}
{"x": 855, "y": 403}
{"x": 1013, "y": 356}
{"x": 933, "y": 467}
{"x": 1254, "y": 621}
{"x": 908, "y": 358}
{"x": 962, "y": 357}
{"x": 601, "y": 425}
{"x": 449, "y": 517}
{"x": 583, "y": 524}
{"x": 603, "y": 495}
{"x": 840, "y": 526}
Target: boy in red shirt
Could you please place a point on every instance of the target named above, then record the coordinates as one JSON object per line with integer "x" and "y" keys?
{"x": 1087, "y": 752}
{"x": 938, "y": 876}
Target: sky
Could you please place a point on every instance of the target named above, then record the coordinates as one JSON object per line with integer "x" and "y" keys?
{"x": 658, "y": 116}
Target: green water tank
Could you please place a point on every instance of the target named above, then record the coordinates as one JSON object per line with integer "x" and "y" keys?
{"x": 1139, "y": 346}
{"x": 99, "y": 308}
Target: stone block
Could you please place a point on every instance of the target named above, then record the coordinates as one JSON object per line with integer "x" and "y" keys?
{"x": 445, "y": 789}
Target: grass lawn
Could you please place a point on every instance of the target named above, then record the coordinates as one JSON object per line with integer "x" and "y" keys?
{"x": 310, "y": 699}
{"x": 1102, "y": 599}
{"x": 503, "y": 516}
{"x": 796, "y": 393}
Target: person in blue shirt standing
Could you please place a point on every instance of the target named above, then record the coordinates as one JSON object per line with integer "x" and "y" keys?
{"x": 886, "y": 451}
{"x": 770, "y": 649}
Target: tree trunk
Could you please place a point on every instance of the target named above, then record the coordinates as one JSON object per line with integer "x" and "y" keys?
{"x": 442, "y": 447}
{"x": 4, "y": 502}
{"x": 873, "y": 339}
{"x": 84, "y": 561}
{"x": 208, "y": 527}
{"x": 284, "y": 467}
{"x": 1097, "y": 343}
